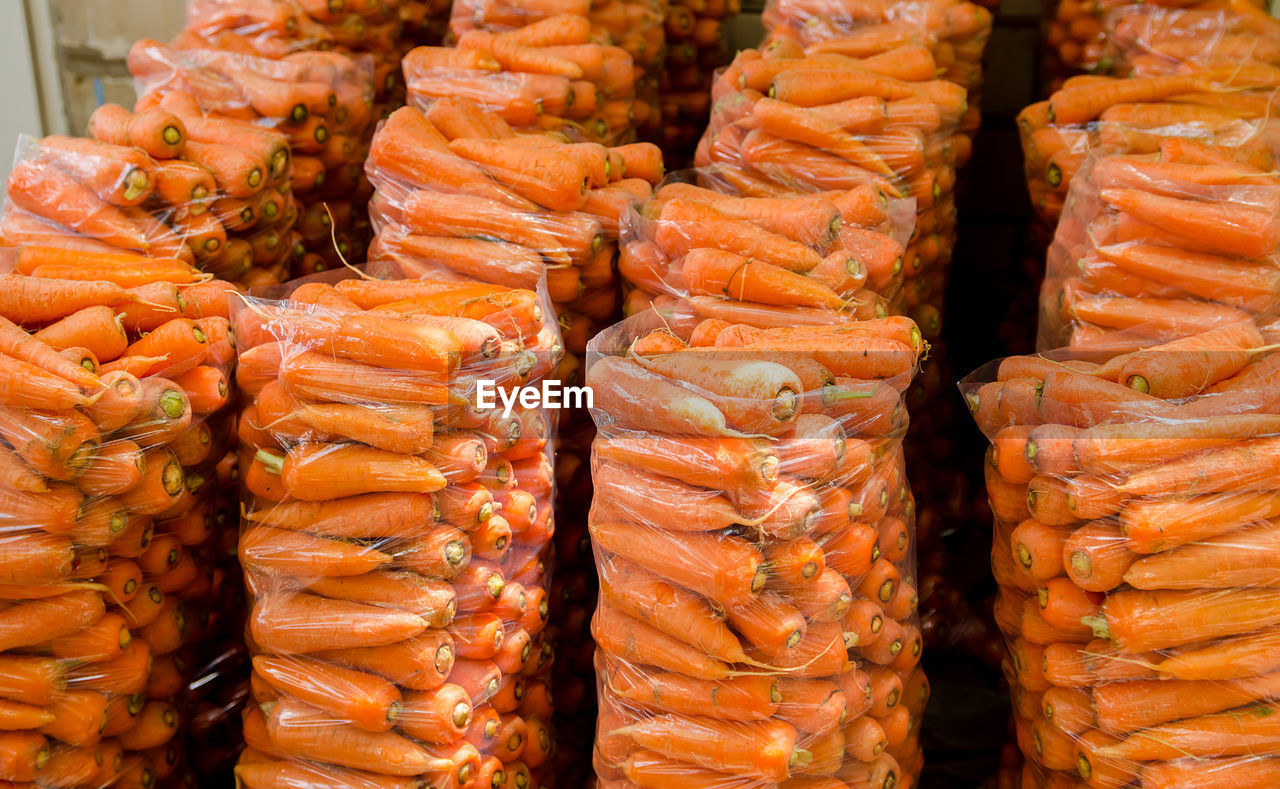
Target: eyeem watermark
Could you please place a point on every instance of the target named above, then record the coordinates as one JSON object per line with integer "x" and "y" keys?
{"x": 548, "y": 394}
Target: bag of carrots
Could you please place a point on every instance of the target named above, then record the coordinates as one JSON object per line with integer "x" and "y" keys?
{"x": 696, "y": 48}
{"x": 309, "y": 113}
{"x": 549, "y": 75}
{"x": 705, "y": 251}
{"x": 1227, "y": 106}
{"x": 955, "y": 32}
{"x": 396, "y": 533}
{"x": 1134, "y": 498}
{"x": 114, "y": 429}
{"x": 277, "y": 28}
{"x": 1158, "y": 245}
{"x": 752, "y": 528}
{"x": 1149, "y": 40}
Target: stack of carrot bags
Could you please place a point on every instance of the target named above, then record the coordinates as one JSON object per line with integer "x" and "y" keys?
{"x": 395, "y": 533}
{"x": 638, "y": 27}
{"x": 538, "y": 69}
{"x": 150, "y": 185}
{"x": 753, "y": 534}
{"x": 320, "y": 103}
{"x": 117, "y": 366}
{"x": 695, "y": 49}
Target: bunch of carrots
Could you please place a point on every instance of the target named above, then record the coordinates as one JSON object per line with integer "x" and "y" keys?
{"x": 1082, "y": 36}
{"x": 395, "y": 535}
{"x": 548, "y": 75}
{"x": 752, "y": 532}
{"x": 954, "y": 31}
{"x": 812, "y": 259}
{"x": 1134, "y": 549}
{"x": 1150, "y": 40}
{"x": 145, "y": 186}
{"x": 117, "y": 367}
{"x": 695, "y": 49}
{"x": 1219, "y": 102}
{"x": 319, "y": 104}
{"x": 382, "y": 31}
{"x": 1163, "y": 244}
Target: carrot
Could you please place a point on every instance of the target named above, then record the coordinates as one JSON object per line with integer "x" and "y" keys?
{"x": 440, "y": 715}
{"x": 1087, "y": 103}
{"x": 686, "y": 225}
{"x": 1153, "y": 525}
{"x": 1251, "y": 772}
{"x": 373, "y": 515}
{"x": 306, "y": 623}
{"x": 718, "y": 273}
{"x": 1096, "y": 557}
{"x": 616, "y": 383}
{"x": 292, "y": 553}
{"x": 282, "y": 774}
{"x": 293, "y": 727}
{"x": 1246, "y": 731}
{"x": 315, "y": 470}
{"x": 635, "y": 642}
{"x": 420, "y": 663}
{"x": 765, "y": 749}
{"x": 1139, "y": 620}
{"x": 740, "y": 576}
{"x": 22, "y": 755}
{"x": 370, "y": 703}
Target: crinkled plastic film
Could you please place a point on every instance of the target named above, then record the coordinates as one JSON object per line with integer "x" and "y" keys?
{"x": 83, "y": 194}
{"x": 319, "y": 106}
{"x": 1148, "y": 40}
{"x": 699, "y": 249}
{"x": 752, "y": 527}
{"x": 954, "y": 31}
{"x": 1229, "y": 107}
{"x": 396, "y": 533}
{"x": 1161, "y": 244}
{"x": 552, "y": 74}
{"x": 1134, "y": 505}
{"x": 115, "y": 433}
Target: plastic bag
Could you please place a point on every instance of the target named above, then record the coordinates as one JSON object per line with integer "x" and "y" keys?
{"x": 1058, "y": 134}
{"x": 419, "y": 651}
{"x": 1150, "y": 40}
{"x": 549, "y": 75}
{"x": 696, "y": 48}
{"x": 753, "y": 535}
{"x": 320, "y": 103}
{"x": 954, "y": 31}
{"x": 1158, "y": 245}
{"x": 1134, "y": 506}
{"x": 801, "y": 259}
{"x": 114, "y": 437}
{"x": 82, "y": 194}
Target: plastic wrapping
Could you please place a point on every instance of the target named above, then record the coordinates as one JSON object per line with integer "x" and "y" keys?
{"x": 1079, "y": 35}
{"x": 753, "y": 535}
{"x": 1149, "y": 40}
{"x": 395, "y": 534}
{"x": 1161, "y": 244}
{"x": 113, "y": 426}
{"x": 801, "y": 259}
{"x": 696, "y": 48}
{"x": 1228, "y": 106}
{"x": 954, "y": 31}
{"x": 1134, "y": 506}
{"x": 547, "y": 74}
{"x": 320, "y": 106}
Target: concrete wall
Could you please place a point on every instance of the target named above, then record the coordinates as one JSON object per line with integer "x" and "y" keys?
{"x": 90, "y": 39}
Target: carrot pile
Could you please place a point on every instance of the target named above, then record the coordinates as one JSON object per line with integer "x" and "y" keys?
{"x": 695, "y": 49}
{"x": 1134, "y": 508}
{"x": 321, "y": 103}
{"x": 394, "y": 535}
{"x": 954, "y": 31}
{"x": 752, "y": 530}
{"x": 1219, "y": 105}
{"x": 639, "y": 28}
{"x": 116, "y": 369}
{"x": 1149, "y": 40}
{"x": 538, "y": 68}
{"x": 799, "y": 259}
{"x": 1082, "y": 36}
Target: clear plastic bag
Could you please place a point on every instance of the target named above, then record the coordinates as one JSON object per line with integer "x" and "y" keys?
{"x": 319, "y": 106}
{"x": 550, "y": 74}
{"x": 115, "y": 436}
{"x": 1134, "y": 504}
{"x": 701, "y": 248}
{"x": 1158, "y": 245}
{"x": 1150, "y": 40}
{"x": 396, "y": 533}
{"x": 752, "y": 527}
